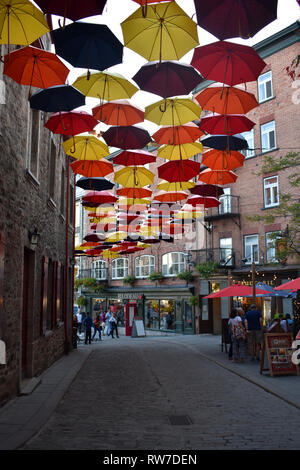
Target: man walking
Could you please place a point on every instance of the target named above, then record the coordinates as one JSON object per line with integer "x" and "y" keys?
{"x": 253, "y": 323}
{"x": 88, "y": 323}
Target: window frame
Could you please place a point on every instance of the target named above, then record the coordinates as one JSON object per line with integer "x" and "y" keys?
{"x": 225, "y": 199}
{"x": 249, "y": 153}
{"x": 274, "y": 259}
{"x": 99, "y": 266}
{"x": 114, "y": 268}
{"x": 230, "y": 261}
{"x": 251, "y": 252}
{"x": 166, "y": 272}
{"x": 262, "y": 134}
{"x": 139, "y": 267}
{"x": 261, "y": 81}
{"x": 272, "y": 204}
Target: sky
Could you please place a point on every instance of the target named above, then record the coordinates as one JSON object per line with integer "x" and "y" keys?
{"x": 116, "y": 11}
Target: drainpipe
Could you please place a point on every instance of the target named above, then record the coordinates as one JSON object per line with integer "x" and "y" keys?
{"x": 67, "y": 259}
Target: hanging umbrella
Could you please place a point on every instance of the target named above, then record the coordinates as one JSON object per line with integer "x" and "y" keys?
{"x": 96, "y": 184}
{"x": 92, "y": 168}
{"x": 226, "y": 100}
{"x": 236, "y": 290}
{"x": 106, "y": 86}
{"x": 228, "y": 62}
{"x": 228, "y": 125}
{"x": 21, "y": 22}
{"x": 92, "y": 237}
{"x": 167, "y": 78}
{"x": 217, "y": 176}
{"x": 116, "y": 236}
{"x": 179, "y": 170}
{"x": 133, "y": 177}
{"x": 225, "y": 142}
{"x": 57, "y": 98}
{"x": 206, "y": 201}
{"x": 101, "y": 197}
{"x": 71, "y": 123}
{"x": 87, "y": 147}
{"x": 176, "y": 186}
{"x": 134, "y": 193}
{"x": 72, "y": 9}
{"x": 221, "y": 160}
{"x": 134, "y": 158}
{"x": 172, "y": 111}
{"x": 293, "y": 285}
{"x": 35, "y": 67}
{"x": 118, "y": 113}
{"x": 109, "y": 254}
{"x": 235, "y": 18}
{"x": 126, "y": 137}
{"x": 88, "y": 45}
{"x": 180, "y": 152}
{"x": 202, "y": 189}
{"x": 167, "y": 33}
{"x": 175, "y": 135}
{"x": 167, "y": 196}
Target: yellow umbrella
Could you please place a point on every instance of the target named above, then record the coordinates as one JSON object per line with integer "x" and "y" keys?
{"x": 123, "y": 201}
{"x": 148, "y": 230}
{"x": 173, "y": 111}
{"x": 166, "y": 33}
{"x": 21, "y": 22}
{"x": 176, "y": 186}
{"x": 116, "y": 237}
{"x": 105, "y": 86}
{"x": 188, "y": 215}
{"x": 134, "y": 177}
{"x": 180, "y": 152}
{"x": 109, "y": 254}
{"x": 85, "y": 147}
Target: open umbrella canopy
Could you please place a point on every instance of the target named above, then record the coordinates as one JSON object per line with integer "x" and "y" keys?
{"x": 134, "y": 193}
{"x": 35, "y": 67}
{"x": 106, "y": 86}
{"x": 202, "y": 189}
{"x": 134, "y": 177}
{"x": 175, "y": 135}
{"x": 126, "y": 137}
{"x": 118, "y": 113}
{"x": 226, "y": 100}
{"x": 21, "y": 22}
{"x": 134, "y": 158}
{"x": 235, "y": 18}
{"x": 222, "y": 160}
{"x": 206, "y": 201}
{"x": 101, "y": 197}
{"x": 167, "y": 32}
{"x": 57, "y": 98}
{"x": 167, "y": 78}
{"x": 228, "y": 125}
{"x": 168, "y": 196}
{"x": 96, "y": 184}
{"x": 72, "y": 9}
{"x": 225, "y": 142}
{"x": 175, "y": 186}
{"x": 236, "y": 290}
{"x": 71, "y": 123}
{"x": 180, "y": 152}
{"x": 87, "y": 147}
{"x": 172, "y": 111}
{"x": 293, "y": 285}
{"x": 217, "y": 176}
{"x": 92, "y": 168}
{"x": 228, "y": 62}
{"x": 179, "y": 170}
{"x": 88, "y": 45}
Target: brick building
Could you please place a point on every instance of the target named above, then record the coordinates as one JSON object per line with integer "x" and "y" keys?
{"x": 36, "y": 241}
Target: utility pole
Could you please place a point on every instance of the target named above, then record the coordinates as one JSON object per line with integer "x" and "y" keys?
{"x": 253, "y": 271}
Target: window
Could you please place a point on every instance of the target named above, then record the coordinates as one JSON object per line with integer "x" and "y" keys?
{"x": 225, "y": 199}
{"x": 99, "y": 269}
{"x": 268, "y": 137}
{"x": 271, "y": 191}
{"x": 62, "y": 191}
{"x": 173, "y": 264}
{"x": 34, "y": 137}
{"x": 52, "y": 170}
{"x": 271, "y": 247}
{"x": 119, "y": 268}
{"x": 144, "y": 265}
{"x": 251, "y": 248}
{"x": 249, "y": 136}
{"x": 265, "y": 88}
{"x": 226, "y": 258}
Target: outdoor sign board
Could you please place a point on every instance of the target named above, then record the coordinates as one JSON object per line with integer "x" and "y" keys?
{"x": 279, "y": 350}
{"x": 138, "y": 329}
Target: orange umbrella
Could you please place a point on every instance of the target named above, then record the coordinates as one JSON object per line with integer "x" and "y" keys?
{"x": 226, "y": 100}
{"x": 35, "y": 67}
{"x": 134, "y": 193}
{"x": 118, "y": 113}
{"x": 217, "y": 176}
{"x": 222, "y": 160}
{"x": 176, "y": 135}
{"x": 165, "y": 196}
{"x": 90, "y": 168}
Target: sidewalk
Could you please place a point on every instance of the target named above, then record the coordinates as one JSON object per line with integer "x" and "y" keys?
{"x": 24, "y": 416}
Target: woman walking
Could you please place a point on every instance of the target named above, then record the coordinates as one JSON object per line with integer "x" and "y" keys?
{"x": 238, "y": 335}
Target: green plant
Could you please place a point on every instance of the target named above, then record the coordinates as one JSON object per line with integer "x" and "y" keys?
{"x": 207, "y": 269}
{"x": 82, "y": 301}
{"x": 157, "y": 276}
{"x": 77, "y": 283}
{"x": 185, "y": 275}
{"x": 89, "y": 282}
{"x": 193, "y": 301}
{"x": 129, "y": 280}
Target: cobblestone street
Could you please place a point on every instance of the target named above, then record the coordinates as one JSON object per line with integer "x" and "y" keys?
{"x": 163, "y": 393}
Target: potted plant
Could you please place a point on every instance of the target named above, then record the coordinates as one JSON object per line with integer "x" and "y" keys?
{"x": 156, "y": 277}
{"x": 193, "y": 301}
{"x": 129, "y": 280}
{"x": 185, "y": 275}
{"x": 82, "y": 301}
{"x": 207, "y": 269}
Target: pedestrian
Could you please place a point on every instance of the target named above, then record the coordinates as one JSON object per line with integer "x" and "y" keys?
{"x": 238, "y": 336}
{"x": 107, "y": 323}
{"x": 75, "y": 322}
{"x": 113, "y": 325}
{"x": 97, "y": 327}
{"x": 253, "y": 322}
{"x": 88, "y": 323}
{"x": 103, "y": 322}
{"x": 169, "y": 320}
{"x": 79, "y": 321}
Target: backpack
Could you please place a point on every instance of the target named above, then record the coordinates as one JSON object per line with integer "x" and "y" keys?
{"x": 238, "y": 331}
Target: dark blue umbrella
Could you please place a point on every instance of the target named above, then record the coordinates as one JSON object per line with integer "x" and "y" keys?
{"x": 57, "y": 98}
{"x": 96, "y": 184}
{"x": 272, "y": 291}
{"x": 88, "y": 45}
{"x": 224, "y": 142}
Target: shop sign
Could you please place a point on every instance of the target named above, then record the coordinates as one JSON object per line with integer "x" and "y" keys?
{"x": 128, "y": 296}
{"x": 279, "y": 349}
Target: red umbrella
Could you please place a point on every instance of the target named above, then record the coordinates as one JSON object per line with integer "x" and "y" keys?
{"x": 126, "y": 137}
{"x": 235, "y": 18}
{"x": 168, "y": 196}
{"x": 92, "y": 237}
{"x": 203, "y": 189}
{"x": 95, "y": 168}
{"x": 134, "y": 158}
{"x": 72, "y": 9}
{"x": 227, "y": 62}
{"x": 134, "y": 193}
{"x": 236, "y": 290}
{"x": 222, "y": 160}
{"x": 100, "y": 197}
{"x": 205, "y": 201}
{"x": 226, "y": 100}
{"x": 226, "y": 125}
{"x": 217, "y": 176}
{"x": 176, "y": 135}
{"x": 293, "y": 285}
{"x": 71, "y": 123}
{"x": 118, "y": 113}
{"x": 178, "y": 170}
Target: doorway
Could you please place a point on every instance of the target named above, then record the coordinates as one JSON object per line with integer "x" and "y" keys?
{"x": 28, "y": 276}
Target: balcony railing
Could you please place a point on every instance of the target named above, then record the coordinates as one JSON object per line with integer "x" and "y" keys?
{"x": 230, "y": 206}
{"x": 98, "y": 273}
{"x": 224, "y": 257}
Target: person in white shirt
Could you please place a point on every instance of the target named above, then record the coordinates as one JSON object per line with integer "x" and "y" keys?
{"x": 79, "y": 321}
{"x": 238, "y": 336}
